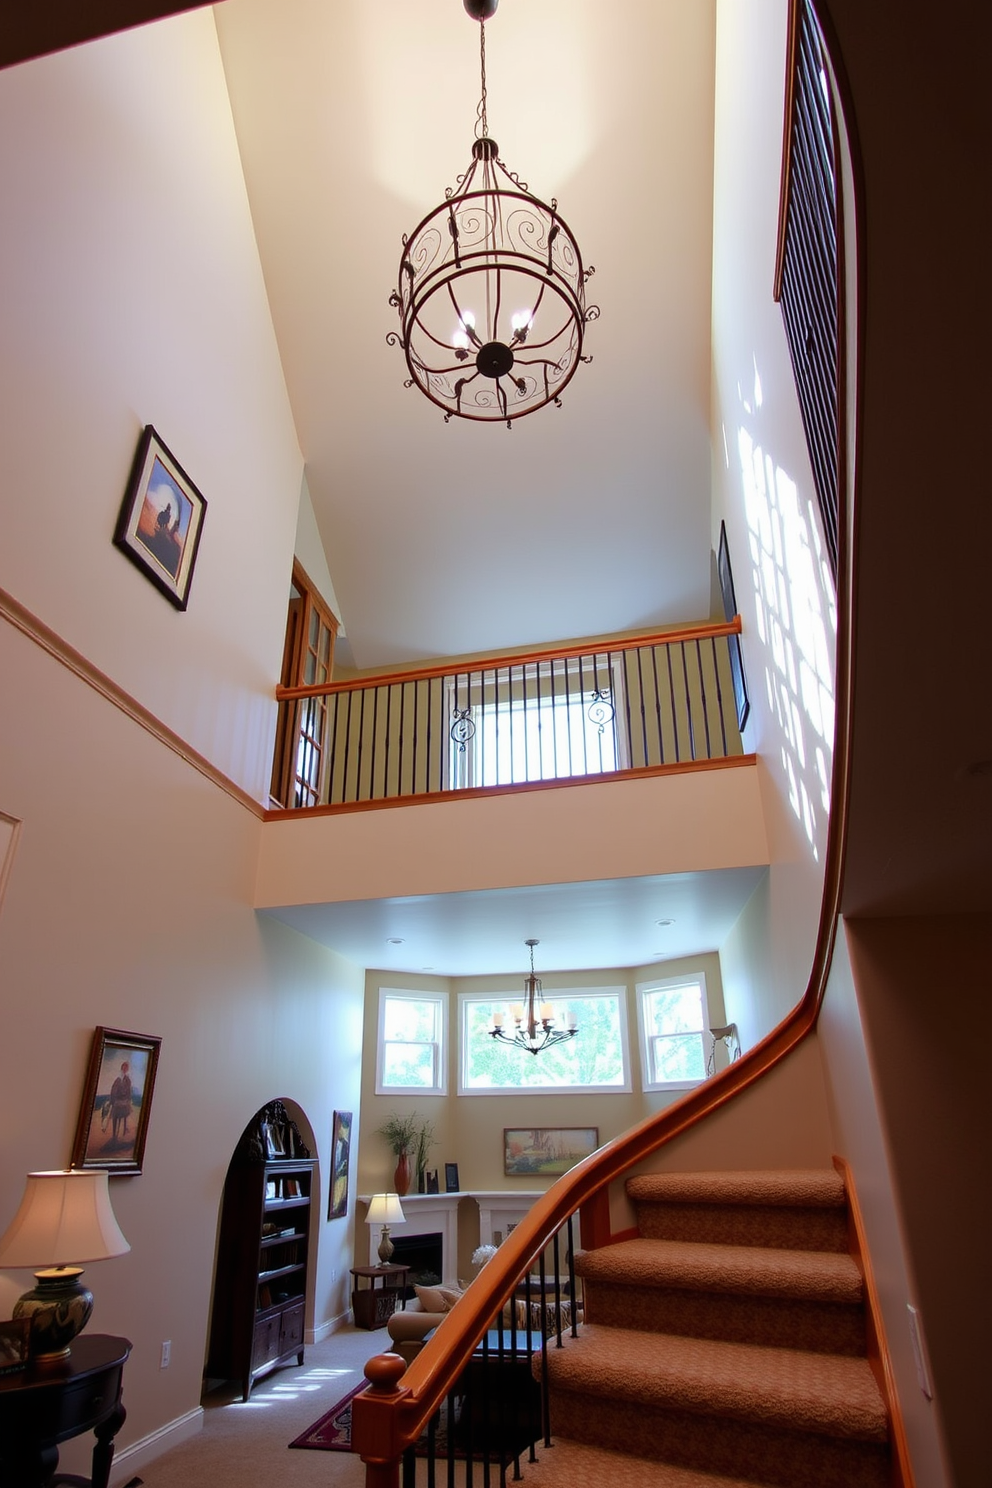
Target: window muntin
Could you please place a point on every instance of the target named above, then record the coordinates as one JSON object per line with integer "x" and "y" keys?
{"x": 674, "y": 1028}
{"x": 596, "y": 1059}
{"x": 410, "y": 1046}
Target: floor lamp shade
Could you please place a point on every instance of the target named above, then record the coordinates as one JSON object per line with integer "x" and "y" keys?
{"x": 65, "y": 1218}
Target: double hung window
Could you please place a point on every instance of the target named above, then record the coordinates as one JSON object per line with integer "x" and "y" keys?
{"x": 674, "y": 1028}
{"x": 411, "y": 1043}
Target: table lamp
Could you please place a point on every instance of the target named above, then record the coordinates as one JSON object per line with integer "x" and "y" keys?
{"x": 385, "y": 1209}
{"x": 65, "y": 1218}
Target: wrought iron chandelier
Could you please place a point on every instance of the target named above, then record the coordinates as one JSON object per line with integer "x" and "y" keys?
{"x": 533, "y": 1019}
{"x": 491, "y": 292}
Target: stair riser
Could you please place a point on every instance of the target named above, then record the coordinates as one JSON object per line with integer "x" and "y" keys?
{"x": 780, "y": 1229}
{"x": 823, "y": 1328}
{"x": 779, "y": 1459}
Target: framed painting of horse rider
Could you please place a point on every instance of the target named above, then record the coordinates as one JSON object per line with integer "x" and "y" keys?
{"x": 161, "y": 519}
{"x": 117, "y": 1101}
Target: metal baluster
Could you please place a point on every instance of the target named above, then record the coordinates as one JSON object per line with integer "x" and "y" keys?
{"x": 671, "y": 693}
{"x": 657, "y": 705}
{"x": 702, "y": 699}
{"x": 719, "y": 694}
{"x": 688, "y": 702}
{"x": 573, "y": 1294}
{"x": 644, "y": 720}
{"x": 375, "y": 736}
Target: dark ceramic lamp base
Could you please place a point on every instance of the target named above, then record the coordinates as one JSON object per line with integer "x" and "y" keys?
{"x": 59, "y": 1307}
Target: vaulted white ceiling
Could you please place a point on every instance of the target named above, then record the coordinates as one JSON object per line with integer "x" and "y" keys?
{"x": 352, "y": 120}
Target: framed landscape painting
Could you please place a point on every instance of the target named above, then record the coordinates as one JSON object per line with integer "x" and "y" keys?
{"x": 161, "y": 519}
{"x": 117, "y": 1101}
{"x": 546, "y": 1151}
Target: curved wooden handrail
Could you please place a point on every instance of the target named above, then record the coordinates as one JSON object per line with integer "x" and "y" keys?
{"x": 381, "y": 1434}
{"x": 450, "y": 668}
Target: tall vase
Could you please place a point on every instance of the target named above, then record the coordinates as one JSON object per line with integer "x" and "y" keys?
{"x": 401, "y": 1178}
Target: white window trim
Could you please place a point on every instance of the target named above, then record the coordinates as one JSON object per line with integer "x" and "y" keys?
{"x": 552, "y": 995}
{"x": 440, "y": 1087}
{"x": 645, "y": 1035}
{"x": 460, "y": 762}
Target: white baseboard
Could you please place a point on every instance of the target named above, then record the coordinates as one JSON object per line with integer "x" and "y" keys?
{"x": 333, "y": 1325}
{"x": 128, "y": 1460}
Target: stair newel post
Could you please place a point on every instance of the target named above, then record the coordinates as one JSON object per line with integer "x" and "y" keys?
{"x": 375, "y": 1419}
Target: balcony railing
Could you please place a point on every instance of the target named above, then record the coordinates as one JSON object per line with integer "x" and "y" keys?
{"x": 658, "y": 701}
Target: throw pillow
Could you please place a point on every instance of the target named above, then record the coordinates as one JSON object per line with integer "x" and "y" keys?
{"x": 437, "y": 1299}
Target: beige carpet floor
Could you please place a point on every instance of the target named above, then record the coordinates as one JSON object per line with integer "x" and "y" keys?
{"x": 246, "y": 1445}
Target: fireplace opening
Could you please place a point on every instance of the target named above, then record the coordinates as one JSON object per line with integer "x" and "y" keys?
{"x": 423, "y": 1254}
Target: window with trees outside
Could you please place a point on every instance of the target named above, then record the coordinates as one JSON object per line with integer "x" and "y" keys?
{"x": 674, "y": 1032}
{"x": 411, "y": 1042}
{"x": 596, "y": 1059}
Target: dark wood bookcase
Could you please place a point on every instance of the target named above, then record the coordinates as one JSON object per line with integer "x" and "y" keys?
{"x": 264, "y": 1253}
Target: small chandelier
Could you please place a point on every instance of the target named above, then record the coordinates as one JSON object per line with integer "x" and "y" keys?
{"x": 491, "y": 293}
{"x": 534, "y": 1020}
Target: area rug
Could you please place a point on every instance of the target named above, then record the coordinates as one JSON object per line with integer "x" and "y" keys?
{"x": 332, "y": 1433}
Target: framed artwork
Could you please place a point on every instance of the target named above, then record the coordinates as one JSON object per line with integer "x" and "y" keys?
{"x": 432, "y": 1182}
{"x": 161, "y": 519}
{"x": 117, "y": 1101}
{"x": 451, "y": 1177}
{"x": 729, "y": 597}
{"x": 546, "y": 1151}
{"x": 337, "y": 1199}
{"x": 14, "y": 1334}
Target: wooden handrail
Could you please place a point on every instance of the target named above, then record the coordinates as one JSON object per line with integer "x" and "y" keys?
{"x": 451, "y": 668}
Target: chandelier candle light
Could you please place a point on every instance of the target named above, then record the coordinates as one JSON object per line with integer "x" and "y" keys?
{"x": 491, "y": 293}
{"x": 533, "y": 1019}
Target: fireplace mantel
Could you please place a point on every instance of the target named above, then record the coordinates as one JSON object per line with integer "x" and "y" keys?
{"x": 429, "y": 1214}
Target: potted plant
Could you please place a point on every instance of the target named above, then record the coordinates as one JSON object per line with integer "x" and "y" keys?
{"x": 425, "y": 1140}
{"x": 401, "y": 1133}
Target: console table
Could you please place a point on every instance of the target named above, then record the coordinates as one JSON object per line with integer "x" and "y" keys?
{"x": 372, "y": 1308}
{"x": 51, "y": 1402}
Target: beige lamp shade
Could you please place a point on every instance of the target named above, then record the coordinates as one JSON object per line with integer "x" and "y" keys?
{"x": 65, "y": 1219}
{"x": 385, "y": 1209}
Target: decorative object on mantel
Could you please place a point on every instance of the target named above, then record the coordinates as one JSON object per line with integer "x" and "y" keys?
{"x": 491, "y": 291}
{"x": 65, "y": 1217}
{"x": 425, "y": 1141}
{"x": 534, "y": 1020}
{"x": 161, "y": 519}
{"x": 386, "y": 1210}
{"x": 451, "y": 1177}
{"x": 405, "y": 1134}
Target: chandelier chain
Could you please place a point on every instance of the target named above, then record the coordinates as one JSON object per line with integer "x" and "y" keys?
{"x": 481, "y": 121}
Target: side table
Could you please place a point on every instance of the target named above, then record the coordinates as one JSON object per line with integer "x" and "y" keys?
{"x": 49, "y": 1403}
{"x": 373, "y": 1308}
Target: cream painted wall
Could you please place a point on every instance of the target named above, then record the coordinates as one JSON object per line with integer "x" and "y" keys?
{"x": 669, "y": 824}
{"x": 762, "y": 488}
{"x": 859, "y": 1135}
{"x": 129, "y": 905}
{"x": 133, "y": 295}
{"x": 310, "y": 551}
{"x": 469, "y": 1128}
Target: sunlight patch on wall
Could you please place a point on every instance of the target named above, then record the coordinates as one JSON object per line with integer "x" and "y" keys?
{"x": 796, "y": 619}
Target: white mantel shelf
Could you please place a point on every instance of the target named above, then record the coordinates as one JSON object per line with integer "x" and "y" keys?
{"x": 426, "y": 1214}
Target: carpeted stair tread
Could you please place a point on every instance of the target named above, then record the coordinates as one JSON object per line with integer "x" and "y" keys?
{"x": 808, "y": 1275}
{"x": 580, "y": 1466}
{"x": 823, "y": 1394}
{"x": 815, "y": 1188}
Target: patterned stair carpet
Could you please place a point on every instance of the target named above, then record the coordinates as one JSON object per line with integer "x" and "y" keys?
{"x": 725, "y": 1345}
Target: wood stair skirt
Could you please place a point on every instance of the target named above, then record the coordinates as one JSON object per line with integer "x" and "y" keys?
{"x": 725, "y": 1346}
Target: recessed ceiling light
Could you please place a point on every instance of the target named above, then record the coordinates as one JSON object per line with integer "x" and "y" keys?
{"x": 664, "y": 922}
{"x": 396, "y": 940}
